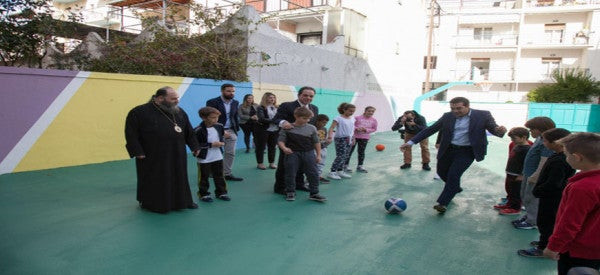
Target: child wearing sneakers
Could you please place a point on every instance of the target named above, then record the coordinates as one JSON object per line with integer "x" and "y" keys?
{"x": 514, "y": 171}
{"x": 210, "y": 159}
{"x": 532, "y": 164}
{"x": 322, "y": 120}
{"x": 363, "y": 127}
{"x": 548, "y": 189}
{"x": 299, "y": 145}
{"x": 343, "y": 140}
{"x": 575, "y": 241}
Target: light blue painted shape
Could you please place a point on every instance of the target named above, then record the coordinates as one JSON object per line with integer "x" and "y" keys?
{"x": 417, "y": 103}
{"x": 573, "y": 117}
{"x": 329, "y": 100}
{"x": 201, "y": 90}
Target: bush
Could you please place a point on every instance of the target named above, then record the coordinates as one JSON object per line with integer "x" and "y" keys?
{"x": 572, "y": 85}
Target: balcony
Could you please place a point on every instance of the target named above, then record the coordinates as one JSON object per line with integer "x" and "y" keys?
{"x": 486, "y": 41}
{"x": 493, "y": 75}
{"x": 101, "y": 17}
{"x": 459, "y": 5}
{"x": 573, "y": 40}
{"x": 289, "y": 5}
{"x": 559, "y": 3}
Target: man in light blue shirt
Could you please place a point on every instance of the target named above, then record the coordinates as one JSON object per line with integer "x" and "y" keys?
{"x": 464, "y": 139}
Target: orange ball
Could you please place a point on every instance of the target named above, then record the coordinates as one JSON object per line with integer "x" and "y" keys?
{"x": 380, "y": 147}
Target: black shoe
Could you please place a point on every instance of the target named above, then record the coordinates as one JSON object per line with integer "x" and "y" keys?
{"x": 303, "y": 187}
{"x": 206, "y": 198}
{"x": 405, "y": 166}
{"x": 224, "y": 197}
{"x": 233, "y": 178}
{"x": 247, "y": 150}
{"x": 193, "y": 206}
{"x": 440, "y": 208}
{"x": 316, "y": 197}
{"x": 426, "y": 167}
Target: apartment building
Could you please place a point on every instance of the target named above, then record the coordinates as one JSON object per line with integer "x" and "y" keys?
{"x": 511, "y": 46}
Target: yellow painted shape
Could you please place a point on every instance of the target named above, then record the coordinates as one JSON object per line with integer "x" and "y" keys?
{"x": 283, "y": 93}
{"x": 90, "y": 128}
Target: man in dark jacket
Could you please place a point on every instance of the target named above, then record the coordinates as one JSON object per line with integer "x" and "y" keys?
{"x": 464, "y": 139}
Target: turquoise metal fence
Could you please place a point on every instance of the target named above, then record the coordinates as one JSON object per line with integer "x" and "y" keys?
{"x": 574, "y": 117}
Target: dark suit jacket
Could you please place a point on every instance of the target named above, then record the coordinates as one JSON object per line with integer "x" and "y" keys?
{"x": 286, "y": 112}
{"x": 217, "y": 103}
{"x": 479, "y": 122}
{"x": 202, "y": 137}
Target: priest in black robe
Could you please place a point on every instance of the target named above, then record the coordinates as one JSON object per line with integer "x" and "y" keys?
{"x": 156, "y": 134}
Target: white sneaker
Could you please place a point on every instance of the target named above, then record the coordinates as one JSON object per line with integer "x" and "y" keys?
{"x": 343, "y": 174}
{"x": 334, "y": 176}
{"x": 347, "y": 170}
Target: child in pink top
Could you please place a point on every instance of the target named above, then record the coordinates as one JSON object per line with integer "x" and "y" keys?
{"x": 363, "y": 127}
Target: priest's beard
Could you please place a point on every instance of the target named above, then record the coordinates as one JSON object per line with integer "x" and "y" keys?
{"x": 169, "y": 108}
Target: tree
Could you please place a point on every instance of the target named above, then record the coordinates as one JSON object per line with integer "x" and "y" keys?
{"x": 220, "y": 53}
{"x": 572, "y": 85}
{"x": 26, "y": 30}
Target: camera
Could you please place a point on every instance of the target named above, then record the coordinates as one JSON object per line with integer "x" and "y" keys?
{"x": 409, "y": 120}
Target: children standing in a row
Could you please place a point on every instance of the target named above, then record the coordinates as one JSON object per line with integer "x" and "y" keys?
{"x": 548, "y": 189}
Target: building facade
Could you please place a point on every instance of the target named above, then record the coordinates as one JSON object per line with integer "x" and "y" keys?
{"x": 512, "y": 46}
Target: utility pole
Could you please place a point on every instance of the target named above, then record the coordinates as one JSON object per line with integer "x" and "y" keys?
{"x": 429, "y": 46}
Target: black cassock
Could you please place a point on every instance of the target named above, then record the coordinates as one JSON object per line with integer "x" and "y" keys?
{"x": 162, "y": 179}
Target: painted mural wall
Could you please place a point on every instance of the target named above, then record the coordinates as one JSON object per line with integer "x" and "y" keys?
{"x": 53, "y": 118}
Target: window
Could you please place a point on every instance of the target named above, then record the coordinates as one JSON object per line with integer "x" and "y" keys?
{"x": 554, "y": 33}
{"x": 311, "y": 39}
{"x": 549, "y": 64}
{"x": 433, "y": 62}
{"x": 482, "y": 34}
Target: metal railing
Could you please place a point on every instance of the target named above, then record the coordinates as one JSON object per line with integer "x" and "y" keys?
{"x": 486, "y": 40}
{"x": 483, "y": 74}
{"x": 281, "y": 5}
{"x": 558, "y": 3}
{"x": 572, "y": 38}
{"x": 535, "y": 74}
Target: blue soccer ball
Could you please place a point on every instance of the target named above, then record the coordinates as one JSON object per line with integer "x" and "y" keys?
{"x": 395, "y": 205}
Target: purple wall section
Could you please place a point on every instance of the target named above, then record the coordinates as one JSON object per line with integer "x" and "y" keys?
{"x": 22, "y": 102}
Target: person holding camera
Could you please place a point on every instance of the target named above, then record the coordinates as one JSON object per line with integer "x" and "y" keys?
{"x": 409, "y": 124}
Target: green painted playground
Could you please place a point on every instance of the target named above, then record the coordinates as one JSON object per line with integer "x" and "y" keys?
{"x": 85, "y": 220}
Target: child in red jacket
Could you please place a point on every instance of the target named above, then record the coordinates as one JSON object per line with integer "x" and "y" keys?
{"x": 575, "y": 241}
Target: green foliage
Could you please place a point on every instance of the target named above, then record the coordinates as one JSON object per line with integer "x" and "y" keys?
{"x": 220, "y": 53}
{"x": 572, "y": 85}
{"x": 26, "y": 29}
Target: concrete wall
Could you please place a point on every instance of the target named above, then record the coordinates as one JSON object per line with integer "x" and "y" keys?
{"x": 53, "y": 118}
